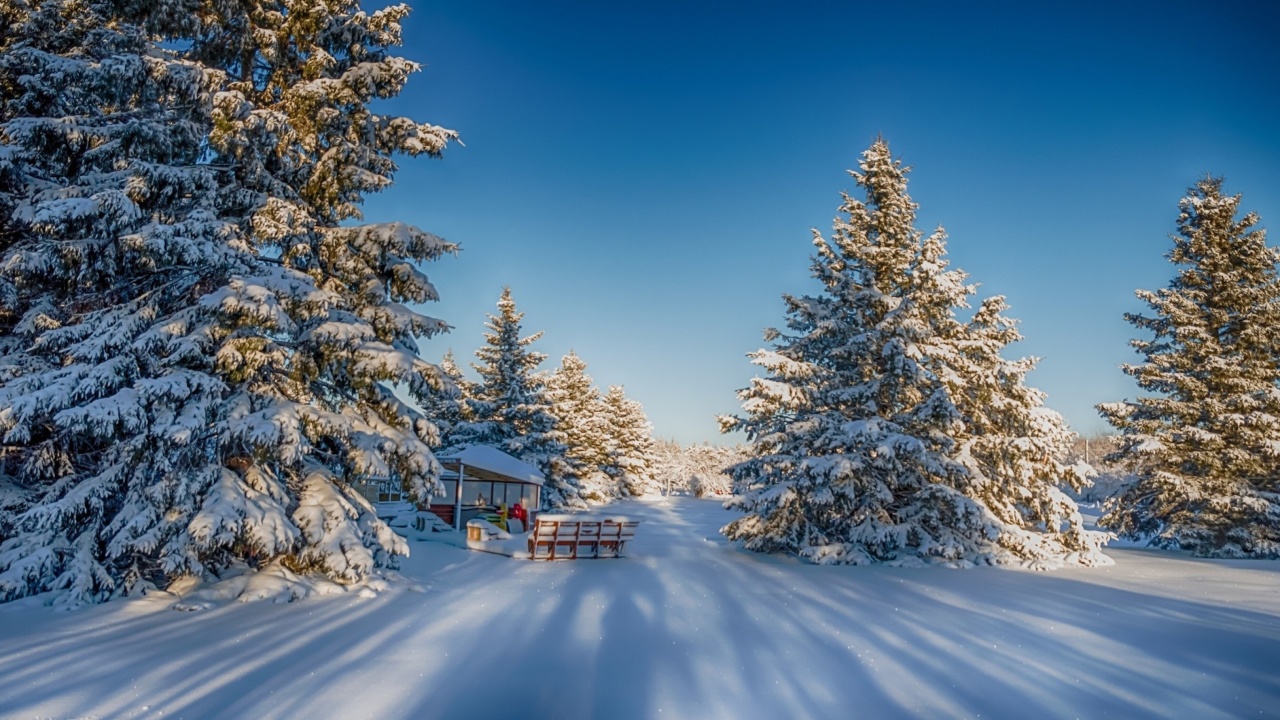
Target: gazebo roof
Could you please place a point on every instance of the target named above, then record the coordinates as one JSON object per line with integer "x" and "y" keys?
{"x": 486, "y": 463}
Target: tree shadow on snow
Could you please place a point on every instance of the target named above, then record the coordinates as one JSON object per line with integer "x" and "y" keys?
{"x": 687, "y": 626}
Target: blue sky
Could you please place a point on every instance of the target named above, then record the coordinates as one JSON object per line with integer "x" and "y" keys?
{"x": 645, "y": 175}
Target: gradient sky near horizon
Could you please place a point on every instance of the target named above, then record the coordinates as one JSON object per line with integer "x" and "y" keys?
{"x": 645, "y": 175}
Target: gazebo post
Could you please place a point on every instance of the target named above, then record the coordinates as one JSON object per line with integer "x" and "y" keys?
{"x": 457, "y": 499}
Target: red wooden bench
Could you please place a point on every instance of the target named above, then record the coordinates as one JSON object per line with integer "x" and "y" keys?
{"x": 565, "y": 537}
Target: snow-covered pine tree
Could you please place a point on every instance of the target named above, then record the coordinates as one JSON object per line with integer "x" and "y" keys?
{"x": 112, "y": 222}
{"x": 1206, "y": 445}
{"x": 447, "y": 408}
{"x": 860, "y": 434}
{"x": 580, "y": 414}
{"x": 508, "y": 408}
{"x": 630, "y": 447}
{"x": 1015, "y": 449}
{"x": 199, "y": 352}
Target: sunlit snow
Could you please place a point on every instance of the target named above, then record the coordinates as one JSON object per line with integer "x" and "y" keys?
{"x": 687, "y": 626}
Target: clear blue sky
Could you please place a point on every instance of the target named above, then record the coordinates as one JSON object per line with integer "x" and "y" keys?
{"x": 645, "y": 175}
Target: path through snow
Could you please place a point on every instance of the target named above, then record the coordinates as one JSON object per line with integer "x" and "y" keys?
{"x": 686, "y": 627}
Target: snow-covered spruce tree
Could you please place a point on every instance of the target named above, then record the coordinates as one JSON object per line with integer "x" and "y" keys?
{"x": 580, "y": 415}
{"x": 196, "y": 354}
{"x": 864, "y": 433}
{"x": 447, "y": 409}
{"x": 15, "y": 22}
{"x": 110, "y": 222}
{"x": 1206, "y": 445}
{"x": 508, "y": 408}
{"x": 1014, "y": 448}
{"x": 630, "y": 446}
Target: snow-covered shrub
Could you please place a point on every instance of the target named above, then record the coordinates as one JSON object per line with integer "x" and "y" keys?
{"x": 697, "y": 469}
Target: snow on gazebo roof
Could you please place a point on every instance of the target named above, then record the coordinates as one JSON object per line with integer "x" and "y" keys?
{"x": 493, "y": 460}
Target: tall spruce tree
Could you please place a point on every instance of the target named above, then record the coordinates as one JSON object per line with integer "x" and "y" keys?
{"x": 630, "y": 453}
{"x": 447, "y": 409}
{"x": 508, "y": 408}
{"x": 579, "y": 411}
{"x": 864, "y": 434}
{"x": 197, "y": 350}
{"x": 1014, "y": 448}
{"x": 1207, "y": 443}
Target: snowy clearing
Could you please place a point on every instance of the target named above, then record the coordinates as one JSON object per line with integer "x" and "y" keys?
{"x": 687, "y": 626}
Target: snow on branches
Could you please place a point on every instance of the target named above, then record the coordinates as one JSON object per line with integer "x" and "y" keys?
{"x": 609, "y": 437}
{"x": 197, "y": 349}
{"x": 886, "y": 429}
{"x": 1205, "y": 444}
{"x": 508, "y": 409}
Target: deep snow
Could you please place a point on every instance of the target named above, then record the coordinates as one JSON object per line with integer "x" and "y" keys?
{"x": 687, "y": 627}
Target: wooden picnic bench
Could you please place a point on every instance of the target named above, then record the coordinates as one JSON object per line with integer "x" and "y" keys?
{"x": 565, "y": 537}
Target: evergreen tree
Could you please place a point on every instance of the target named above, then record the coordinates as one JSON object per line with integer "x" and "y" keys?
{"x": 196, "y": 349}
{"x": 1205, "y": 444}
{"x": 447, "y": 408}
{"x": 1014, "y": 448}
{"x": 864, "y": 433}
{"x": 630, "y": 446}
{"x": 509, "y": 410}
{"x": 577, "y": 405}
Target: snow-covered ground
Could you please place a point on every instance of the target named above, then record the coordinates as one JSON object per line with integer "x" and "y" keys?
{"x": 686, "y": 627}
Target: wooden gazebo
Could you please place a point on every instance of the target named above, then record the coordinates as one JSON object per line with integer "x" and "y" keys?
{"x": 477, "y": 479}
